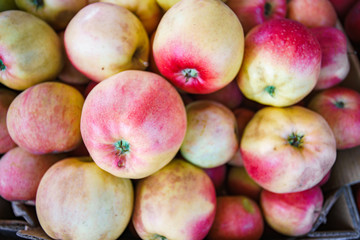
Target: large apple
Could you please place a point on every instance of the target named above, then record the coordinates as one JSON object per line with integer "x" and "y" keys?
{"x": 21, "y": 172}
{"x": 148, "y": 11}
{"x": 177, "y": 202}
{"x": 237, "y": 217}
{"x": 352, "y": 23}
{"x": 252, "y": 13}
{"x": 292, "y": 214}
{"x": 57, "y": 13}
{"x": 45, "y": 118}
{"x": 103, "y": 39}
{"x": 287, "y": 149}
{"x": 199, "y": 45}
{"x": 137, "y": 128}
{"x": 211, "y": 137}
{"x": 30, "y": 50}
{"x": 281, "y": 63}
{"x": 6, "y": 142}
{"x": 78, "y": 200}
{"x": 319, "y": 13}
{"x": 340, "y": 107}
{"x": 335, "y": 64}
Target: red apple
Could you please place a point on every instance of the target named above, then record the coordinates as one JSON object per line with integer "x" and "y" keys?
{"x": 342, "y": 7}
{"x": 21, "y": 172}
{"x": 6, "y": 142}
{"x": 352, "y": 23}
{"x": 238, "y": 182}
{"x": 199, "y": 45}
{"x": 292, "y": 214}
{"x": 335, "y": 64}
{"x": 287, "y": 149}
{"x": 340, "y": 107}
{"x": 176, "y": 202}
{"x": 281, "y": 63}
{"x": 45, "y": 118}
{"x": 137, "y": 128}
{"x": 319, "y": 13}
{"x": 252, "y": 13}
{"x": 217, "y": 175}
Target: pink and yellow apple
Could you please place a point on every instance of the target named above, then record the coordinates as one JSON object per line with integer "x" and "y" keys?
{"x": 199, "y": 45}
{"x": 6, "y": 142}
{"x": 288, "y": 149}
{"x": 137, "y": 128}
{"x": 176, "y": 202}
{"x": 281, "y": 63}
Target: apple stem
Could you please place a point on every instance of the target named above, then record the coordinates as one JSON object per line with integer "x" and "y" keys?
{"x": 2, "y": 65}
{"x": 339, "y": 104}
{"x": 270, "y": 90}
{"x": 38, "y": 3}
{"x": 267, "y": 9}
{"x": 295, "y": 140}
{"x": 189, "y": 73}
{"x": 121, "y": 147}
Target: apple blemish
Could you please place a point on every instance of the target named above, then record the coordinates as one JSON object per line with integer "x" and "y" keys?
{"x": 121, "y": 148}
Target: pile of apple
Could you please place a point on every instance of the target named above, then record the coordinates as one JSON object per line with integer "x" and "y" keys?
{"x": 191, "y": 119}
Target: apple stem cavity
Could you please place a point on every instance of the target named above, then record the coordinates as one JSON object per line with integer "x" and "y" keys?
{"x": 38, "y": 3}
{"x": 189, "y": 73}
{"x": 267, "y": 9}
{"x": 295, "y": 140}
{"x": 121, "y": 147}
{"x": 270, "y": 90}
{"x": 339, "y": 104}
{"x": 2, "y": 66}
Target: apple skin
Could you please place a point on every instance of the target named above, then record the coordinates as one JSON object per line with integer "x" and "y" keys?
{"x": 6, "y": 142}
{"x": 340, "y": 107}
{"x": 57, "y": 13}
{"x": 292, "y": 214}
{"x": 148, "y": 11}
{"x": 177, "y": 202}
{"x": 275, "y": 70}
{"x": 45, "y": 118}
{"x": 320, "y": 13}
{"x": 138, "y": 128}
{"x": 30, "y": 50}
{"x": 236, "y": 218}
{"x": 78, "y": 200}
{"x": 217, "y": 175}
{"x": 352, "y": 23}
{"x": 238, "y": 182}
{"x": 21, "y": 172}
{"x": 342, "y": 7}
{"x": 335, "y": 64}
{"x": 211, "y": 136}
{"x": 252, "y": 13}
{"x": 7, "y": 5}
{"x": 103, "y": 39}
{"x": 187, "y": 48}
{"x": 287, "y": 149}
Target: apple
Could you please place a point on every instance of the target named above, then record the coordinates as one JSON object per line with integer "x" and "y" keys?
{"x": 30, "y": 50}
{"x": 237, "y": 217}
{"x": 57, "y": 13}
{"x": 148, "y": 11}
{"x": 335, "y": 64}
{"x": 6, "y": 142}
{"x": 287, "y": 149}
{"x": 137, "y": 128}
{"x": 292, "y": 214}
{"x": 199, "y": 45}
{"x": 78, "y": 200}
{"x": 281, "y": 64}
{"x": 238, "y": 182}
{"x": 252, "y": 13}
{"x": 21, "y": 172}
{"x": 176, "y": 202}
{"x": 211, "y": 137}
{"x": 342, "y": 7}
{"x": 7, "y": 5}
{"x": 320, "y": 13}
{"x": 217, "y": 175}
{"x": 352, "y": 23}
{"x": 45, "y": 118}
{"x": 340, "y": 107}
{"x": 103, "y": 39}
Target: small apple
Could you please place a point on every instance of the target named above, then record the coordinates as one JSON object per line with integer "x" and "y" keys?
{"x": 340, "y": 107}
{"x": 217, "y": 175}
{"x": 335, "y": 64}
{"x": 352, "y": 23}
{"x": 281, "y": 63}
{"x": 45, "y": 118}
{"x": 319, "y": 13}
{"x": 237, "y": 217}
{"x": 252, "y": 13}
{"x": 103, "y": 39}
{"x": 176, "y": 202}
{"x": 78, "y": 200}
{"x": 7, "y": 5}
{"x": 199, "y": 45}
{"x": 6, "y": 142}
{"x": 292, "y": 214}
{"x": 211, "y": 136}
{"x": 287, "y": 149}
